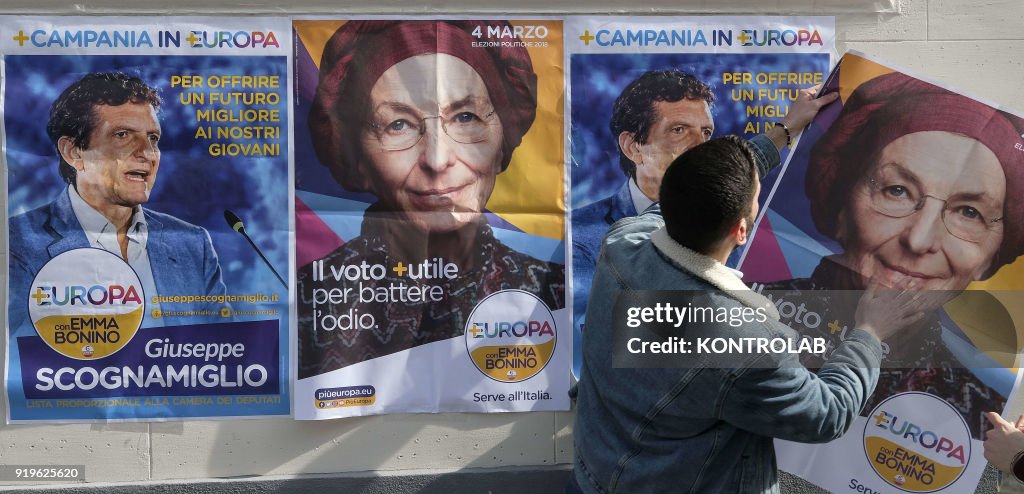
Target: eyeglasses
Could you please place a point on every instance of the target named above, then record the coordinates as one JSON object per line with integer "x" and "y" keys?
{"x": 964, "y": 219}
{"x": 398, "y": 131}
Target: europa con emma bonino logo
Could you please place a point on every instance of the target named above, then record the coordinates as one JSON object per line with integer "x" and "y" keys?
{"x": 89, "y": 313}
{"x": 917, "y": 442}
{"x": 510, "y": 336}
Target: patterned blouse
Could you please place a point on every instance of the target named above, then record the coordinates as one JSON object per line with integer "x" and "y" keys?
{"x": 823, "y": 306}
{"x": 413, "y": 311}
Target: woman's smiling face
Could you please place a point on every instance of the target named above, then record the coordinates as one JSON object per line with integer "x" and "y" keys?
{"x": 928, "y": 212}
{"x": 441, "y": 182}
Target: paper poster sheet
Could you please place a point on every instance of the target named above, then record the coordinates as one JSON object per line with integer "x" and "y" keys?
{"x": 130, "y": 296}
{"x": 903, "y": 183}
{"x": 429, "y": 198}
{"x": 642, "y": 90}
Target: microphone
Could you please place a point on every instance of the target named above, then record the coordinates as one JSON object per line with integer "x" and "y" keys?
{"x": 236, "y": 224}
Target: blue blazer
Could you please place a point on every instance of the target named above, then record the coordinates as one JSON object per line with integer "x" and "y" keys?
{"x": 589, "y": 225}
{"x": 181, "y": 256}
{"x": 591, "y": 222}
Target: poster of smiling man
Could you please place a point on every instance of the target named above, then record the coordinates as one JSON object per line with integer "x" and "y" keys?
{"x": 148, "y": 230}
{"x": 643, "y": 90}
{"x": 903, "y": 184}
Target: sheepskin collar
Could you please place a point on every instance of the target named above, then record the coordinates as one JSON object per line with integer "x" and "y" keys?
{"x": 711, "y": 271}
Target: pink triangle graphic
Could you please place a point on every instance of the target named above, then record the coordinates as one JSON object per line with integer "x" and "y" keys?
{"x": 765, "y": 261}
{"x": 313, "y": 238}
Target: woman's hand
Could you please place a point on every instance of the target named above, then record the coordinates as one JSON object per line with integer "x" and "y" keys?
{"x": 1003, "y": 441}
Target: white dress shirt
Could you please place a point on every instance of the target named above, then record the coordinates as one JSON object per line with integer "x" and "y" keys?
{"x": 640, "y": 201}
{"x": 102, "y": 234}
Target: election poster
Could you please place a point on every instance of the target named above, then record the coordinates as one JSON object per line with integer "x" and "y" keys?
{"x": 642, "y": 90}
{"x": 430, "y": 217}
{"x": 903, "y": 183}
{"x": 148, "y": 217}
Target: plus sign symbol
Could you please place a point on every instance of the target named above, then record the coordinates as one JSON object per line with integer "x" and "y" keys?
{"x": 41, "y": 297}
{"x": 20, "y": 38}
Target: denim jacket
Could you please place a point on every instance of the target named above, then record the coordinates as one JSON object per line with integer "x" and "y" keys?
{"x": 700, "y": 430}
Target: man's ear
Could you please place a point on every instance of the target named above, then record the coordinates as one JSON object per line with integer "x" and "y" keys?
{"x": 70, "y": 152}
{"x": 740, "y": 232}
{"x": 630, "y": 147}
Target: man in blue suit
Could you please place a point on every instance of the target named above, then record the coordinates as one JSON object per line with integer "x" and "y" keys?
{"x": 107, "y": 134}
{"x": 656, "y": 118}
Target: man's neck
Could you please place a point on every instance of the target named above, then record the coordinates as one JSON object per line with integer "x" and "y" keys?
{"x": 117, "y": 215}
{"x": 722, "y": 251}
{"x": 640, "y": 200}
{"x": 648, "y": 187}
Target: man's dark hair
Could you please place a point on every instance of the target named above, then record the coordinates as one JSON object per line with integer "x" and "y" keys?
{"x": 73, "y": 113}
{"x": 706, "y": 190}
{"x": 634, "y": 108}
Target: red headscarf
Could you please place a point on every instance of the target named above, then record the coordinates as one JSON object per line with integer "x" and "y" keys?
{"x": 360, "y": 51}
{"x": 894, "y": 105}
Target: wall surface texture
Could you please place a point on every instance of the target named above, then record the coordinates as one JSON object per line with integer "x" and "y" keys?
{"x": 974, "y": 45}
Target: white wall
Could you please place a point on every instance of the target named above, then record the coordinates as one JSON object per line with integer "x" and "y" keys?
{"x": 974, "y": 45}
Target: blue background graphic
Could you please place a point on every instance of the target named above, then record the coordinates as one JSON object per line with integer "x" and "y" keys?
{"x": 597, "y": 80}
{"x": 191, "y": 185}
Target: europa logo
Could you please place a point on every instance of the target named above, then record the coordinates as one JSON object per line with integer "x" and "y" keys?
{"x": 510, "y": 336}
{"x": 917, "y": 442}
{"x": 776, "y": 37}
{"x": 86, "y": 303}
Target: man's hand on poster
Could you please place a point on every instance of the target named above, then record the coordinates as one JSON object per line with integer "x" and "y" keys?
{"x": 883, "y": 311}
{"x": 801, "y": 112}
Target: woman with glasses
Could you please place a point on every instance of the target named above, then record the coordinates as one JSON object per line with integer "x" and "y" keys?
{"x": 415, "y": 113}
{"x": 922, "y": 190}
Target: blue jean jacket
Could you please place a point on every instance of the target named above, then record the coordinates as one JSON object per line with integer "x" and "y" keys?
{"x": 700, "y": 430}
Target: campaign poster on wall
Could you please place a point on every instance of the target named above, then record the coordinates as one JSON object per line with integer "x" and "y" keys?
{"x": 642, "y": 90}
{"x": 908, "y": 184}
{"x": 429, "y": 205}
{"x": 146, "y": 161}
